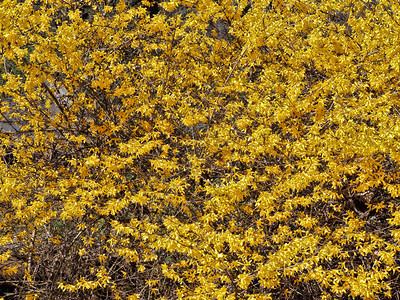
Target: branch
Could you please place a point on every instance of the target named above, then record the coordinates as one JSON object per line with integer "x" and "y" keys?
{"x": 44, "y": 85}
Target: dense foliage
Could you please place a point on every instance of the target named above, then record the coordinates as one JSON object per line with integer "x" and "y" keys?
{"x": 213, "y": 150}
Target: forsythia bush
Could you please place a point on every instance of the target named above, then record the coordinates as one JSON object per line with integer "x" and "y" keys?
{"x": 213, "y": 150}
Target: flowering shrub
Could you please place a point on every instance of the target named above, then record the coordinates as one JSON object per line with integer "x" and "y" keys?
{"x": 212, "y": 150}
